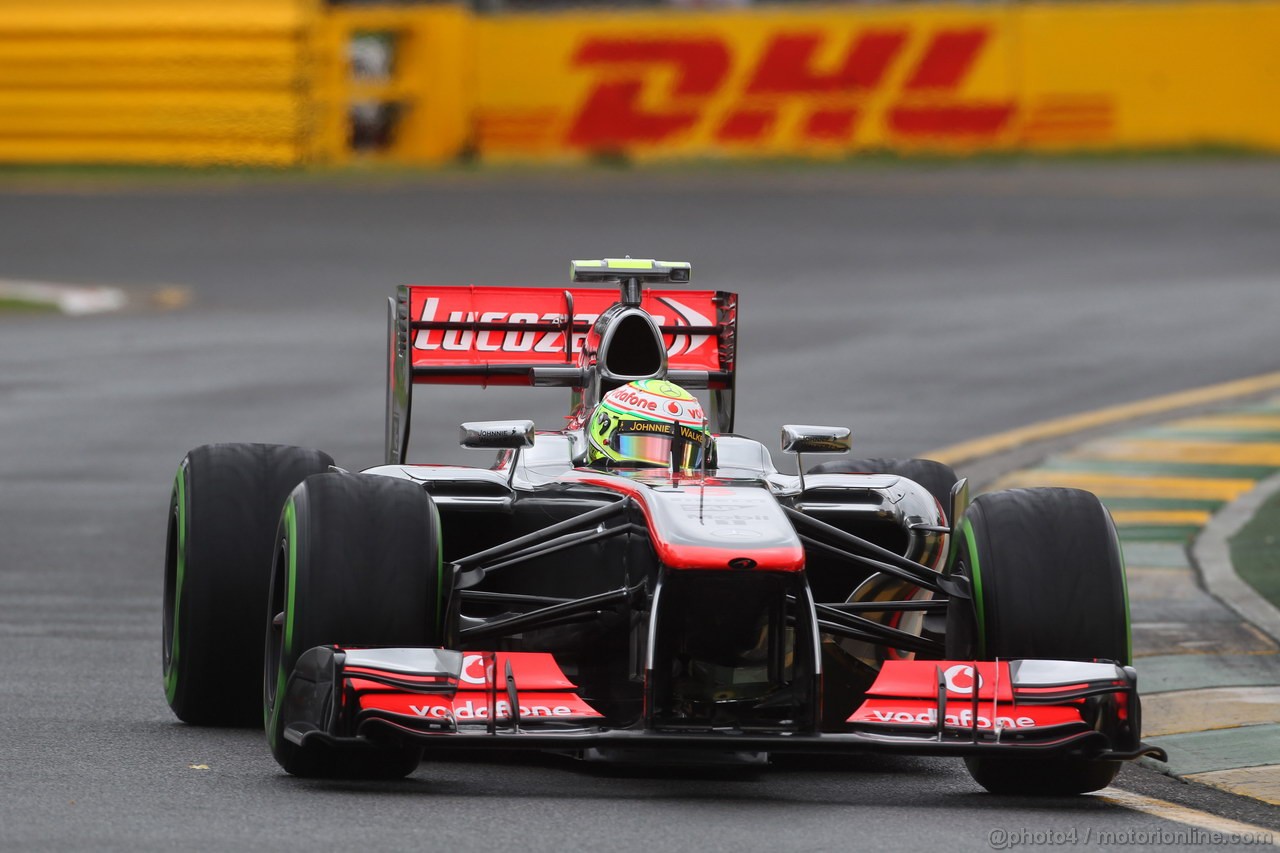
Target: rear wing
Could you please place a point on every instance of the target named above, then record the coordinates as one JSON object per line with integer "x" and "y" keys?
{"x": 523, "y": 336}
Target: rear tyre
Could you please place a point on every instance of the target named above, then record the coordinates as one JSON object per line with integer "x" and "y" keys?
{"x": 936, "y": 477}
{"x": 222, "y": 519}
{"x": 357, "y": 564}
{"x": 1048, "y": 582}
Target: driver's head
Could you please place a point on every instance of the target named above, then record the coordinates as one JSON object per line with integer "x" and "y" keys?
{"x": 649, "y": 423}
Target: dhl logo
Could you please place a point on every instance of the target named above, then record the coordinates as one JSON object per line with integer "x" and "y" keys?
{"x": 654, "y": 91}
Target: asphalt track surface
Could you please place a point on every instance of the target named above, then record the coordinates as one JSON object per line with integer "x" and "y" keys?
{"x": 919, "y": 305}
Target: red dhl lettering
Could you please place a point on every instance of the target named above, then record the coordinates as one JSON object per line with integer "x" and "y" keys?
{"x": 786, "y": 66}
{"x": 626, "y": 106}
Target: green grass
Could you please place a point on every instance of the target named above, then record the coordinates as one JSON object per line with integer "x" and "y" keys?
{"x": 22, "y": 306}
{"x": 1255, "y": 551}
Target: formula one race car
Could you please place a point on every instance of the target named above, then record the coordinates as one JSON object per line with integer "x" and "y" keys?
{"x": 642, "y": 584}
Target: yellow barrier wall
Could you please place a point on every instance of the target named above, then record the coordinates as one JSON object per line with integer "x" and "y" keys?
{"x": 272, "y": 82}
{"x": 827, "y": 81}
{"x": 428, "y": 86}
{"x": 160, "y": 81}
{"x": 1172, "y": 74}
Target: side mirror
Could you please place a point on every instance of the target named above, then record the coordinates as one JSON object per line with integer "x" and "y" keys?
{"x": 496, "y": 435}
{"x": 799, "y": 438}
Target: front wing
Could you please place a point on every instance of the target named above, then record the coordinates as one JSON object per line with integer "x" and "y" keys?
{"x": 442, "y": 699}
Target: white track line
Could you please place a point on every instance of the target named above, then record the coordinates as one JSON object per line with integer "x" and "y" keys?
{"x": 1259, "y": 836}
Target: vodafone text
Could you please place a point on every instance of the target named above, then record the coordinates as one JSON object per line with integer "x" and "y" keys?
{"x": 469, "y": 710}
{"x": 963, "y": 719}
{"x": 631, "y": 398}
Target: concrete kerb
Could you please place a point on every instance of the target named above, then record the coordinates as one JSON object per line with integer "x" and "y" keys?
{"x": 1211, "y": 554}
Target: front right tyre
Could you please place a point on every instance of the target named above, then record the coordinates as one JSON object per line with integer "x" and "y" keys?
{"x": 357, "y": 563}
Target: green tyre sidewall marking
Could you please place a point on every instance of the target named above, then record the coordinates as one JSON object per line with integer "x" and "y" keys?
{"x": 1124, "y": 586}
{"x": 171, "y": 676}
{"x": 291, "y": 526}
{"x": 975, "y": 575}
{"x": 291, "y": 534}
{"x": 440, "y": 593}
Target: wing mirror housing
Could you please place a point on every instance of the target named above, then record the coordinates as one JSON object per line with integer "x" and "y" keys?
{"x": 800, "y": 438}
{"x": 496, "y": 435}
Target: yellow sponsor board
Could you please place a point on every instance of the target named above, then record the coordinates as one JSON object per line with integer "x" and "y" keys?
{"x": 796, "y": 81}
{"x": 1171, "y": 74}
{"x": 827, "y": 81}
{"x": 275, "y": 81}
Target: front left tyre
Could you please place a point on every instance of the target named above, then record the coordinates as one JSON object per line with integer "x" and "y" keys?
{"x": 222, "y": 519}
{"x": 1048, "y": 581}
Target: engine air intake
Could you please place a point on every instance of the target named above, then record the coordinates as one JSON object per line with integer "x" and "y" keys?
{"x": 631, "y": 348}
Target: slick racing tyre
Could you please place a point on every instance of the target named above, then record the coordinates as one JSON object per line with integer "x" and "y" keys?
{"x": 222, "y": 519}
{"x": 357, "y": 563}
{"x": 936, "y": 477}
{"x": 1048, "y": 582}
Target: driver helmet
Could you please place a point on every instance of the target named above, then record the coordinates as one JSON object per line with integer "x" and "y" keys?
{"x": 650, "y": 423}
